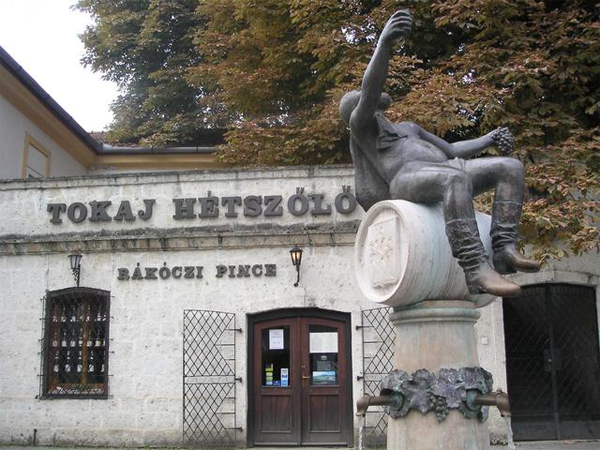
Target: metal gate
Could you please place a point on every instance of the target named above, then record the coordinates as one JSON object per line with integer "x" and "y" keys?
{"x": 209, "y": 378}
{"x": 378, "y": 360}
{"x": 552, "y": 362}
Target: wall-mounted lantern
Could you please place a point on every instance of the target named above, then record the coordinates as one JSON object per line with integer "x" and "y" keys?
{"x": 75, "y": 261}
{"x": 296, "y": 254}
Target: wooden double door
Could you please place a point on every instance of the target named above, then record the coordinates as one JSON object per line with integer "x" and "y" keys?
{"x": 300, "y": 391}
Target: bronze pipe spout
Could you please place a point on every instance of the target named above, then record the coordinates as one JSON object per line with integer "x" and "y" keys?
{"x": 498, "y": 399}
{"x": 368, "y": 400}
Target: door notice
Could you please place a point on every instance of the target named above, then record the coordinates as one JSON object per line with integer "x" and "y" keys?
{"x": 323, "y": 342}
{"x": 285, "y": 377}
{"x": 275, "y": 339}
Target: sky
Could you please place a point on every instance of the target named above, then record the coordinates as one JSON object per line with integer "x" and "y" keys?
{"x": 42, "y": 36}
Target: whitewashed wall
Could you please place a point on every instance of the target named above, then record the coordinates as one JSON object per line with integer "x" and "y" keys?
{"x": 14, "y": 126}
{"x": 145, "y": 405}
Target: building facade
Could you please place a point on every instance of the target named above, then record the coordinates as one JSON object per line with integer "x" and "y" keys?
{"x": 187, "y": 326}
{"x": 38, "y": 138}
{"x": 187, "y": 322}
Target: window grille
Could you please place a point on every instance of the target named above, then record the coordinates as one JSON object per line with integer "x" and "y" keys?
{"x": 75, "y": 344}
{"x": 209, "y": 391}
{"x": 379, "y": 338}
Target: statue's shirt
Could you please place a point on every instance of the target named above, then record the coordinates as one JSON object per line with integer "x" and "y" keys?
{"x": 388, "y": 133}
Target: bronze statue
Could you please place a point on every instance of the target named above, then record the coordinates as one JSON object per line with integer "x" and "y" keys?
{"x": 402, "y": 161}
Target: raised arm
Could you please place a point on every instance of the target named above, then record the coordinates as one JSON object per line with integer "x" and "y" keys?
{"x": 500, "y": 137}
{"x": 372, "y": 85}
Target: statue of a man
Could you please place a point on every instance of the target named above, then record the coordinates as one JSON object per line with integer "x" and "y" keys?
{"x": 402, "y": 161}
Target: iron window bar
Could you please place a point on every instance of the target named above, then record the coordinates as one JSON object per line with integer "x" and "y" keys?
{"x": 376, "y": 367}
{"x": 75, "y": 344}
{"x": 209, "y": 344}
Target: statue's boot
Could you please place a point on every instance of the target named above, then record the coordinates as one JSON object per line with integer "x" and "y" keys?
{"x": 507, "y": 259}
{"x": 484, "y": 279}
{"x": 467, "y": 248}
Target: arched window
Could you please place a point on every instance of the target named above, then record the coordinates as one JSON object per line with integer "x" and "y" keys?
{"x": 75, "y": 352}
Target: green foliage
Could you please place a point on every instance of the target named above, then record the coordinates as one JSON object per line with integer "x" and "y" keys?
{"x": 273, "y": 71}
{"x": 146, "y": 46}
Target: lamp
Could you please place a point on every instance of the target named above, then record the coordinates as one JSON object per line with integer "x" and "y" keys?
{"x": 296, "y": 254}
{"x": 75, "y": 261}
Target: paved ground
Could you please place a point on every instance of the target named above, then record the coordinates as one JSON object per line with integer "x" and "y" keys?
{"x": 548, "y": 445}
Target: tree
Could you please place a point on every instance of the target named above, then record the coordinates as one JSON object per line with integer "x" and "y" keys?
{"x": 273, "y": 71}
{"x": 146, "y": 46}
{"x": 470, "y": 66}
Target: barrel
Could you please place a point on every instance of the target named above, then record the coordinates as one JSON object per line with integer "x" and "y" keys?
{"x": 402, "y": 255}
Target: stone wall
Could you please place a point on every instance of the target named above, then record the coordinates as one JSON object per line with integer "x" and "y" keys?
{"x": 145, "y": 384}
{"x": 145, "y": 365}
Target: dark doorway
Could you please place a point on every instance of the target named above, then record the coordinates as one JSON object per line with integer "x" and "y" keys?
{"x": 552, "y": 362}
{"x": 300, "y": 378}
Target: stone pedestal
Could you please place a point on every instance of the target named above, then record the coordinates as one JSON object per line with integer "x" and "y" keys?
{"x": 433, "y": 335}
{"x": 403, "y": 259}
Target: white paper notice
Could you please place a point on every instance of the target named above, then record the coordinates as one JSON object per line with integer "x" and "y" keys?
{"x": 275, "y": 339}
{"x": 323, "y": 342}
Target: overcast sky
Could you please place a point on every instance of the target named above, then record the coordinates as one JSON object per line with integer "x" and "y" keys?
{"x": 41, "y": 35}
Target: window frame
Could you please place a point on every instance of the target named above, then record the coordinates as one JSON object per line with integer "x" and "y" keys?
{"x": 30, "y": 141}
{"x": 49, "y": 383}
